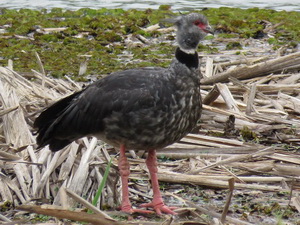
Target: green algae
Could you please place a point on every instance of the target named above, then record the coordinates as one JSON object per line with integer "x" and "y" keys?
{"x": 59, "y": 51}
{"x": 234, "y": 45}
{"x": 103, "y": 33}
{"x": 248, "y": 135}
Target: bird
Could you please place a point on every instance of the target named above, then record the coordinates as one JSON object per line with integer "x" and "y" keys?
{"x": 135, "y": 109}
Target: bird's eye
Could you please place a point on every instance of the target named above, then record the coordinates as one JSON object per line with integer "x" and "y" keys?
{"x": 197, "y": 22}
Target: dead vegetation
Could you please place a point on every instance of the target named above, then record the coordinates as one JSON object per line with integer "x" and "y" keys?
{"x": 249, "y": 135}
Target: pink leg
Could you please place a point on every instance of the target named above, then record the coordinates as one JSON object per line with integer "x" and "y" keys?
{"x": 157, "y": 202}
{"x": 124, "y": 169}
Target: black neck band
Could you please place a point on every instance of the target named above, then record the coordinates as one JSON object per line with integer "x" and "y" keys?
{"x": 190, "y": 60}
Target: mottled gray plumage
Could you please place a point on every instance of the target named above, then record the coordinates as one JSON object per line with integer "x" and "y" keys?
{"x": 145, "y": 108}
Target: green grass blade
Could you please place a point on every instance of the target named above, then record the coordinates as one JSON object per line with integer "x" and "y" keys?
{"x": 102, "y": 184}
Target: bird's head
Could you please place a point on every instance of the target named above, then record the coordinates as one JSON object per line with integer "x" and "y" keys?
{"x": 191, "y": 29}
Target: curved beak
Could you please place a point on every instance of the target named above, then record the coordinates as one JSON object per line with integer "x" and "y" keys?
{"x": 209, "y": 29}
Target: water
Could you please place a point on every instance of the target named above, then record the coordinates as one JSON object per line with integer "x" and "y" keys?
{"x": 182, "y": 5}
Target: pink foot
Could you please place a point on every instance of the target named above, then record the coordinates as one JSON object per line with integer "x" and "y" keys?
{"x": 159, "y": 207}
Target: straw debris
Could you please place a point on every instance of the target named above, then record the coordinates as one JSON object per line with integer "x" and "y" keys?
{"x": 249, "y": 134}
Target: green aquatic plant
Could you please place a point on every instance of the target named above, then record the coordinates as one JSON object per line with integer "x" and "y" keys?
{"x": 101, "y": 33}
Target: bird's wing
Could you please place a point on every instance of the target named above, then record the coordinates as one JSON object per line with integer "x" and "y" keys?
{"x": 84, "y": 113}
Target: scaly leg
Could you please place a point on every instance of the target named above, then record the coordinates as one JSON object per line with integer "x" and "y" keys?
{"x": 124, "y": 169}
{"x": 157, "y": 201}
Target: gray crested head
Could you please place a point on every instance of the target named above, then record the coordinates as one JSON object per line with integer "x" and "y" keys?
{"x": 191, "y": 29}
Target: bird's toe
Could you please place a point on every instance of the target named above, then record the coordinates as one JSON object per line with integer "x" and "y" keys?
{"x": 160, "y": 208}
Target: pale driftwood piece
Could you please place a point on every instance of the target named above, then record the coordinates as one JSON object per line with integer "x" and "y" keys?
{"x": 67, "y": 214}
{"x": 285, "y": 158}
{"x": 209, "y": 67}
{"x": 83, "y": 67}
{"x": 89, "y": 185}
{"x": 81, "y": 174}
{"x": 152, "y": 28}
{"x": 105, "y": 154}
{"x": 221, "y": 116}
{"x": 4, "y": 190}
{"x": 233, "y": 175}
{"x": 166, "y": 30}
{"x": 132, "y": 153}
{"x": 42, "y": 70}
{"x": 64, "y": 155}
{"x": 47, "y": 189}
{"x": 189, "y": 155}
{"x": 5, "y": 219}
{"x": 260, "y": 169}
{"x": 287, "y": 169}
{"x": 212, "y": 151}
{"x": 244, "y": 61}
{"x": 203, "y": 143}
{"x": 228, "y": 200}
{"x": 275, "y": 88}
{"x": 36, "y": 175}
{"x": 277, "y": 119}
{"x": 278, "y": 106}
{"x": 14, "y": 187}
{"x": 291, "y": 79}
{"x": 43, "y": 155}
{"x": 258, "y": 179}
{"x": 77, "y": 86}
{"x": 143, "y": 39}
{"x": 246, "y": 72}
{"x": 55, "y": 29}
{"x": 15, "y": 78}
{"x": 55, "y": 84}
{"x": 10, "y": 64}
{"x": 264, "y": 152}
{"x": 14, "y": 125}
{"x": 85, "y": 141}
{"x": 256, "y": 127}
{"x": 237, "y": 82}
{"x": 262, "y": 80}
{"x": 261, "y": 165}
{"x": 195, "y": 179}
{"x": 63, "y": 198}
{"x": 250, "y": 101}
{"x": 22, "y": 173}
{"x": 24, "y": 88}
{"x": 296, "y": 202}
{"x": 228, "y": 98}
{"x": 265, "y": 89}
{"x": 212, "y": 95}
{"x": 271, "y": 112}
{"x": 211, "y": 110}
{"x": 183, "y": 145}
{"x": 224, "y": 141}
{"x": 9, "y": 157}
{"x": 290, "y": 101}
{"x": 6, "y": 111}
{"x": 47, "y": 173}
{"x": 68, "y": 164}
{"x": 59, "y": 198}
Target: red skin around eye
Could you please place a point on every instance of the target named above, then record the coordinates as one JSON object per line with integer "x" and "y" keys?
{"x": 200, "y": 25}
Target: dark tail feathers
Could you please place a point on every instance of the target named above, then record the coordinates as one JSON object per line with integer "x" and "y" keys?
{"x": 46, "y": 122}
